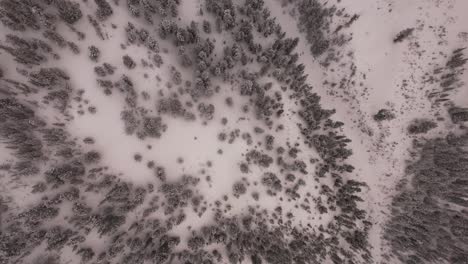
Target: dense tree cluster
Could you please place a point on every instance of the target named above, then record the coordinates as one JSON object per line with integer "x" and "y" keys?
{"x": 178, "y": 194}
{"x": 29, "y": 14}
{"x": 27, "y": 51}
{"x": 457, "y": 59}
{"x": 142, "y": 124}
{"x": 148, "y": 9}
{"x": 104, "y": 9}
{"x": 224, "y": 12}
{"x": 421, "y": 126}
{"x": 17, "y": 123}
{"x": 141, "y": 36}
{"x": 68, "y": 10}
{"x": 429, "y": 220}
{"x": 384, "y": 114}
{"x": 259, "y": 158}
{"x": 76, "y": 170}
{"x": 449, "y": 76}
{"x": 458, "y": 114}
{"x": 20, "y": 15}
{"x": 174, "y": 107}
{"x": 94, "y": 53}
{"x": 71, "y": 173}
{"x": 314, "y": 20}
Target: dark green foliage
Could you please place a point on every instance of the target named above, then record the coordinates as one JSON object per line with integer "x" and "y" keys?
{"x": 125, "y": 85}
{"x": 450, "y": 79}
{"x": 36, "y": 215}
{"x": 12, "y": 110}
{"x": 128, "y": 62}
{"x": 271, "y": 181}
{"x": 384, "y": 114}
{"x": 347, "y": 197}
{"x": 54, "y": 136}
{"x": 187, "y": 36}
{"x": 257, "y": 241}
{"x": 47, "y": 77}
{"x": 47, "y": 259}
{"x": 421, "y": 126}
{"x": 259, "y": 158}
{"x": 125, "y": 197}
{"x": 176, "y": 76}
{"x": 331, "y": 147}
{"x": 153, "y": 127}
{"x": 458, "y": 115}
{"x": 135, "y": 36}
{"x": 86, "y": 254}
{"x": 312, "y": 113}
{"x": 25, "y": 168}
{"x": 314, "y": 20}
{"x": 14, "y": 240}
{"x": 109, "y": 68}
{"x": 426, "y": 225}
{"x": 69, "y": 11}
{"x": 239, "y": 189}
{"x": 224, "y": 11}
{"x": 457, "y": 60}
{"x": 104, "y": 9}
{"x": 148, "y": 240}
{"x": 94, "y": 53}
{"x": 163, "y": 8}
{"x": 206, "y": 111}
{"x": 206, "y": 27}
{"x": 17, "y": 123}
{"x": 130, "y": 120}
{"x": 55, "y": 37}
{"x": 196, "y": 242}
{"x": 402, "y": 35}
{"x": 57, "y": 237}
{"x": 20, "y": 15}
{"x": 174, "y": 107}
{"x": 27, "y": 51}
{"x": 178, "y": 194}
{"x": 100, "y": 71}
{"x": 269, "y": 141}
{"x": 70, "y": 172}
{"x": 167, "y": 28}
{"x": 109, "y": 223}
{"x": 92, "y": 157}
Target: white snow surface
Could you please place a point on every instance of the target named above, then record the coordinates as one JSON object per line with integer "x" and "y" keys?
{"x": 380, "y": 150}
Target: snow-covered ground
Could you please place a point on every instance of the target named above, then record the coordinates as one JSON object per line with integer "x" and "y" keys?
{"x": 357, "y": 77}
